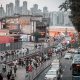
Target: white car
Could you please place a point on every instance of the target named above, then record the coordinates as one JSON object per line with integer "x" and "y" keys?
{"x": 68, "y": 56}
{"x": 51, "y": 75}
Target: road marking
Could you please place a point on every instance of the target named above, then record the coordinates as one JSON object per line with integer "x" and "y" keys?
{"x": 64, "y": 68}
{"x": 61, "y": 76}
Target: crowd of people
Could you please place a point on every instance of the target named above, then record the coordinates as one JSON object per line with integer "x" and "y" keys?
{"x": 8, "y": 74}
{"x": 29, "y": 64}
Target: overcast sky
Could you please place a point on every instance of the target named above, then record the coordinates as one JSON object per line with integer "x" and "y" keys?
{"x": 51, "y": 4}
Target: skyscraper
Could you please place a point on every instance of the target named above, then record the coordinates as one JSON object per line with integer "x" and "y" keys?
{"x": 54, "y": 18}
{"x": 17, "y": 6}
{"x": 10, "y": 9}
{"x": 45, "y": 12}
{"x": 24, "y": 8}
{"x": 61, "y": 18}
{"x": 35, "y": 10}
{"x": 2, "y": 12}
{"x": 66, "y": 19}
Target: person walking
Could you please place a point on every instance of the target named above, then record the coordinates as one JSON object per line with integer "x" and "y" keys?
{"x": 15, "y": 69}
{"x": 8, "y": 76}
{"x": 1, "y": 77}
{"x": 11, "y": 71}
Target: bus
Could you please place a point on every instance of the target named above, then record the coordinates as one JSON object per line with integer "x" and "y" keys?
{"x": 76, "y": 67}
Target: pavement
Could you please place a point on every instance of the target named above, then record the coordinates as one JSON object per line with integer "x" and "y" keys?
{"x": 20, "y": 75}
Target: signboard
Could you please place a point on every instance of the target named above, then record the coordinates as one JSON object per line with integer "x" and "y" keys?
{"x": 12, "y": 21}
{"x": 36, "y": 18}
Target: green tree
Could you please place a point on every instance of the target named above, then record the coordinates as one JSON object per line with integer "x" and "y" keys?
{"x": 37, "y": 36}
{"x": 74, "y": 6}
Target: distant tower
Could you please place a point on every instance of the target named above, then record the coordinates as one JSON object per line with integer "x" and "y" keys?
{"x": 9, "y": 9}
{"x": 17, "y": 6}
{"x": 24, "y": 8}
{"x": 35, "y": 6}
{"x": 45, "y": 12}
{"x": 2, "y": 12}
{"x": 45, "y": 9}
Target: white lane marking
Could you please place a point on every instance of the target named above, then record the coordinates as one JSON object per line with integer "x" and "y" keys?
{"x": 64, "y": 68}
{"x": 61, "y": 76}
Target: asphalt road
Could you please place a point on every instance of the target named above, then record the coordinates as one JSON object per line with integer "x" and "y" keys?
{"x": 66, "y": 73}
{"x": 66, "y": 64}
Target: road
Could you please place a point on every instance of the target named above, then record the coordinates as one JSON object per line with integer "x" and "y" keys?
{"x": 66, "y": 75}
{"x": 66, "y": 64}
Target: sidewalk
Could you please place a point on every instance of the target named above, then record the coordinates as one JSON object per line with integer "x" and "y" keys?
{"x": 20, "y": 75}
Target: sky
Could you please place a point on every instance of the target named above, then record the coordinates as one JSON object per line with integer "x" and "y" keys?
{"x": 51, "y": 4}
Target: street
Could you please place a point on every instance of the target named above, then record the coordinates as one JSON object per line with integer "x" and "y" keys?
{"x": 66, "y": 64}
{"x": 66, "y": 72}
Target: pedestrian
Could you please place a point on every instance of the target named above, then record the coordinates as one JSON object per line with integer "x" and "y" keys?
{"x": 12, "y": 77}
{"x": 15, "y": 69}
{"x": 36, "y": 46}
{"x": 4, "y": 69}
{"x": 30, "y": 68}
{"x": 1, "y": 77}
{"x": 11, "y": 71}
{"x": 8, "y": 76}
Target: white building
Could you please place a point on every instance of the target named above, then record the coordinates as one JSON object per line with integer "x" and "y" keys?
{"x": 2, "y": 12}
{"x": 45, "y": 12}
{"x": 10, "y": 9}
{"x": 24, "y": 8}
{"x": 61, "y": 18}
{"x": 53, "y": 18}
{"x": 67, "y": 19}
{"x": 35, "y": 10}
{"x": 17, "y": 6}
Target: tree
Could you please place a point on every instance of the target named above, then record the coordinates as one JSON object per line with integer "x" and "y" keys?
{"x": 74, "y": 6}
{"x": 36, "y": 35}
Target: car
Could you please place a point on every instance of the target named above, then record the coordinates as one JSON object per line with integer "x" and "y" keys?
{"x": 51, "y": 75}
{"x": 68, "y": 56}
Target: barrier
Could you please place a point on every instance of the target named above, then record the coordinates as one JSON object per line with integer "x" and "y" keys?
{"x": 32, "y": 75}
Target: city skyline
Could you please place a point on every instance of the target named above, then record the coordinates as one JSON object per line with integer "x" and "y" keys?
{"x": 51, "y": 4}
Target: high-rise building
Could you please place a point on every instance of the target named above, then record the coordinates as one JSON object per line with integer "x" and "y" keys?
{"x": 54, "y": 18}
{"x": 35, "y": 10}
{"x": 17, "y": 7}
{"x": 67, "y": 19}
{"x": 7, "y": 9}
{"x": 2, "y": 12}
{"x": 20, "y": 10}
{"x": 45, "y": 12}
{"x": 10, "y": 9}
{"x": 24, "y": 8}
{"x": 61, "y": 18}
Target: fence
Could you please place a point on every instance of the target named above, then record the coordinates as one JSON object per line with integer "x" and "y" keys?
{"x": 10, "y": 46}
{"x": 32, "y": 75}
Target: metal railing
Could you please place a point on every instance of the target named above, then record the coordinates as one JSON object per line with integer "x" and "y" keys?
{"x": 32, "y": 75}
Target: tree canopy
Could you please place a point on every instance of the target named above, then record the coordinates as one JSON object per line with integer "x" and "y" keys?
{"x": 74, "y": 6}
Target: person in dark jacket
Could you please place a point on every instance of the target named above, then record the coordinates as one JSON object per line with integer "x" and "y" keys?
{"x": 15, "y": 69}
{"x": 8, "y": 76}
{"x": 1, "y": 77}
